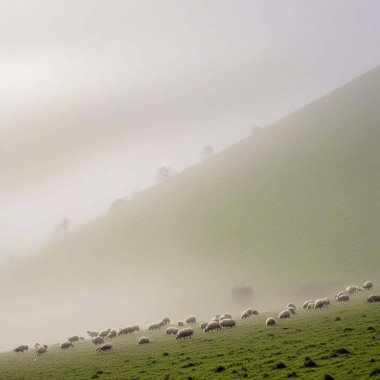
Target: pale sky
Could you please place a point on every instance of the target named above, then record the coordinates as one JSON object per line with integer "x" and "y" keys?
{"x": 95, "y": 95}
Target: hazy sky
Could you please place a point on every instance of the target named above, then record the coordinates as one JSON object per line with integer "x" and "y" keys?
{"x": 94, "y": 95}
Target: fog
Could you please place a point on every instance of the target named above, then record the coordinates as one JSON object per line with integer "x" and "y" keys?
{"x": 96, "y": 95}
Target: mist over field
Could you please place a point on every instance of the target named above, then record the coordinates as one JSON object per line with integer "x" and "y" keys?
{"x": 96, "y": 96}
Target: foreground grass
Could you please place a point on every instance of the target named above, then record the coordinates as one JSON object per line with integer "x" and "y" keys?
{"x": 251, "y": 350}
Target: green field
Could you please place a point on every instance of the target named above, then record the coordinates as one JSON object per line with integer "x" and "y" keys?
{"x": 250, "y": 350}
{"x": 292, "y": 211}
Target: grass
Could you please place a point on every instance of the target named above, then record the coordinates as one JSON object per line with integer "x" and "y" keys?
{"x": 343, "y": 341}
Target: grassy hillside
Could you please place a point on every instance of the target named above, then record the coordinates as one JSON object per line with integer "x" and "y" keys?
{"x": 292, "y": 210}
{"x": 342, "y": 340}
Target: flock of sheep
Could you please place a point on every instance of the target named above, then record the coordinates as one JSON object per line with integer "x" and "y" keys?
{"x": 100, "y": 338}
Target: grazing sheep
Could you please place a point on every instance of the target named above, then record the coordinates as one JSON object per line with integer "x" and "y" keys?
{"x": 180, "y": 324}
{"x": 104, "y": 347}
{"x": 171, "y": 331}
{"x": 144, "y": 340}
{"x": 341, "y": 293}
{"x": 104, "y": 333}
{"x": 284, "y": 314}
{"x": 40, "y": 350}
{"x": 292, "y": 310}
{"x": 111, "y": 335}
{"x": 187, "y": 332}
{"x": 213, "y": 325}
{"x": 21, "y": 348}
{"x": 291, "y": 305}
{"x": 368, "y": 285}
{"x": 92, "y": 334}
{"x": 203, "y": 325}
{"x": 98, "y": 340}
{"x": 350, "y": 289}
{"x": 191, "y": 319}
{"x": 304, "y": 305}
{"x": 245, "y": 314}
{"x": 310, "y": 305}
{"x": 74, "y": 338}
{"x": 166, "y": 321}
{"x": 373, "y": 298}
{"x": 319, "y": 303}
{"x": 326, "y": 302}
{"x": 161, "y": 323}
{"x": 254, "y": 312}
{"x": 229, "y": 322}
{"x": 66, "y": 345}
{"x": 343, "y": 298}
{"x": 128, "y": 330}
{"x": 223, "y": 317}
{"x": 270, "y": 321}
{"x": 154, "y": 326}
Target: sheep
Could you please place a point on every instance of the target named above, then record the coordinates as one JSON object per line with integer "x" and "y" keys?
{"x": 215, "y": 319}
{"x": 166, "y": 321}
{"x": 229, "y": 322}
{"x": 40, "y": 350}
{"x": 351, "y": 289}
{"x": 326, "y": 302}
{"x": 291, "y": 305}
{"x": 154, "y": 326}
{"x": 74, "y": 338}
{"x": 203, "y": 325}
{"x": 306, "y": 303}
{"x": 98, "y": 340}
{"x": 373, "y": 298}
{"x": 187, "y": 332}
{"x": 191, "y": 319}
{"x": 319, "y": 303}
{"x": 223, "y": 317}
{"x": 21, "y": 348}
{"x": 213, "y": 325}
{"x": 104, "y": 333}
{"x": 128, "y": 330}
{"x": 180, "y": 324}
{"x": 343, "y": 298}
{"x": 144, "y": 340}
{"x": 270, "y": 321}
{"x": 368, "y": 285}
{"x": 284, "y": 314}
{"x": 341, "y": 293}
{"x": 254, "y": 312}
{"x": 111, "y": 334}
{"x": 92, "y": 334}
{"x": 66, "y": 345}
{"x": 104, "y": 347}
{"x": 171, "y": 331}
{"x": 245, "y": 314}
{"x": 310, "y": 305}
{"x": 162, "y": 324}
{"x": 292, "y": 310}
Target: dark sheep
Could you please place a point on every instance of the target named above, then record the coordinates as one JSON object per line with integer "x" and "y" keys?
{"x": 373, "y": 298}
{"x": 66, "y": 345}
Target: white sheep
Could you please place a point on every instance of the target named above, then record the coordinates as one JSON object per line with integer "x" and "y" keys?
{"x": 306, "y": 303}
{"x": 291, "y": 305}
{"x": 228, "y": 322}
{"x": 98, "y": 340}
{"x": 187, "y": 332}
{"x": 171, "y": 331}
{"x": 213, "y": 325}
{"x": 191, "y": 319}
{"x": 368, "y": 285}
{"x": 284, "y": 314}
{"x": 292, "y": 310}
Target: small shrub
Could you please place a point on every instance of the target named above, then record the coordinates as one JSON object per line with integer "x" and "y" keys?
{"x": 220, "y": 368}
{"x": 309, "y": 362}
{"x": 375, "y": 372}
{"x": 279, "y": 365}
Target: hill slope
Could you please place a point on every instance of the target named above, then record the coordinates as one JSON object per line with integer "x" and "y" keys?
{"x": 291, "y": 210}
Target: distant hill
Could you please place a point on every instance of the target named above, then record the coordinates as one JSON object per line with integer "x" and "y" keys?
{"x": 292, "y": 211}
